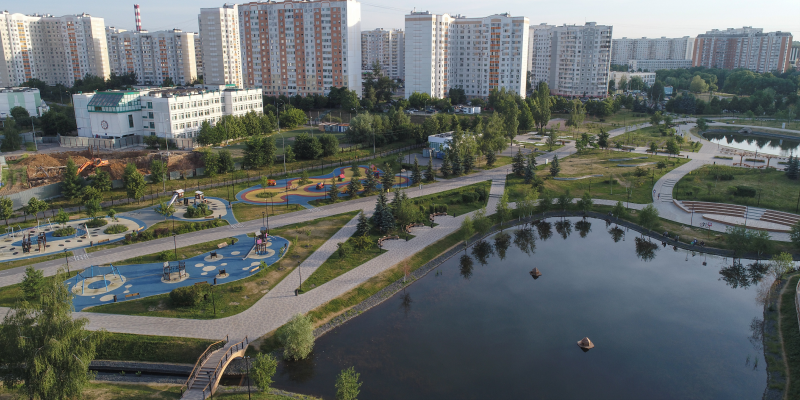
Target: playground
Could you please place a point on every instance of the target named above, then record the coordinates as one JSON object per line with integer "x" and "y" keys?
{"x": 290, "y": 191}
{"x": 98, "y": 285}
{"x": 18, "y": 243}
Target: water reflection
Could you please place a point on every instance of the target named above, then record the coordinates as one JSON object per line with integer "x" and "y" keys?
{"x": 584, "y": 227}
{"x": 482, "y": 250}
{"x": 545, "y": 230}
{"x": 645, "y": 249}
{"x": 466, "y": 266}
{"x": 616, "y": 233}
{"x": 736, "y": 275}
{"x": 564, "y": 228}
{"x": 525, "y": 241}
{"x": 405, "y": 303}
{"x": 762, "y": 144}
{"x": 501, "y": 242}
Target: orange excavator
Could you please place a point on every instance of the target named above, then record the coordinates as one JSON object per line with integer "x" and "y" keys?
{"x": 96, "y": 163}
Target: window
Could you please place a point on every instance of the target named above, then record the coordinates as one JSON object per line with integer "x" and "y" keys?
{"x": 130, "y": 120}
{"x": 150, "y": 105}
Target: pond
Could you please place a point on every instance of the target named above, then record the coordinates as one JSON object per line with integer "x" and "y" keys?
{"x": 664, "y": 325}
{"x": 762, "y": 144}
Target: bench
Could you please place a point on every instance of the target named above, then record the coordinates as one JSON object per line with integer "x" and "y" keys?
{"x": 254, "y": 269}
{"x": 223, "y": 244}
{"x": 392, "y": 237}
{"x": 210, "y": 217}
{"x": 131, "y": 295}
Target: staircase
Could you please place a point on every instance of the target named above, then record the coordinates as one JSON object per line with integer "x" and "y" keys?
{"x": 666, "y": 190}
{"x": 209, "y": 368}
{"x": 754, "y": 214}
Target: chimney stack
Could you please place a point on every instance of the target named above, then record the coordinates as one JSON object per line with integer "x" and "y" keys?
{"x": 138, "y": 18}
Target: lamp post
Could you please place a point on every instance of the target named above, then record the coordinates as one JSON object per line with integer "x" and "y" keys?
{"x": 175, "y": 242}
{"x": 66, "y": 258}
{"x": 262, "y": 218}
{"x": 248, "y": 376}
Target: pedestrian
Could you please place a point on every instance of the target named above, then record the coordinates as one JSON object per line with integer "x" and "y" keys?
{"x": 659, "y": 196}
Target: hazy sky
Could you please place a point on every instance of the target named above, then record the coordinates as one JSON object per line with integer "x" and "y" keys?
{"x": 673, "y": 18}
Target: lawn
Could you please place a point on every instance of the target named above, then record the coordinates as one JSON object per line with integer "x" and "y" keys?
{"x": 791, "y": 336}
{"x": 773, "y": 189}
{"x": 35, "y": 260}
{"x": 180, "y": 227}
{"x": 183, "y": 252}
{"x": 597, "y": 162}
{"x": 9, "y": 295}
{"x": 235, "y": 297}
{"x": 248, "y": 212}
{"x": 336, "y": 265}
{"x": 101, "y": 390}
{"x": 165, "y": 349}
{"x": 644, "y": 136}
{"x": 455, "y": 199}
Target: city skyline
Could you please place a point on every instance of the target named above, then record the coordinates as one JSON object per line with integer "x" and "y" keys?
{"x": 387, "y": 14}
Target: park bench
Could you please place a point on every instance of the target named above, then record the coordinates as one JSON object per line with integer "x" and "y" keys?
{"x": 221, "y": 245}
{"x": 131, "y": 295}
{"x": 391, "y": 237}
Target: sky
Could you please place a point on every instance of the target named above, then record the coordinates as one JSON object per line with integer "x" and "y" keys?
{"x": 675, "y": 18}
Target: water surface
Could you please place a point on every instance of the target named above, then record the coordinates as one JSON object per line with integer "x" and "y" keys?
{"x": 762, "y": 144}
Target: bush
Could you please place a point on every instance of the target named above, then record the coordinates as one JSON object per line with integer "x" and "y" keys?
{"x": 186, "y": 296}
{"x": 166, "y": 255}
{"x": 199, "y": 211}
{"x": 237, "y": 289}
{"x": 745, "y": 191}
{"x": 115, "y": 229}
{"x": 96, "y": 223}
{"x": 65, "y": 231}
{"x": 470, "y": 197}
{"x": 296, "y": 337}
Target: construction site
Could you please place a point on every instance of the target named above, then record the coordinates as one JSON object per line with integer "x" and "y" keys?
{"x": 25, "y": 172}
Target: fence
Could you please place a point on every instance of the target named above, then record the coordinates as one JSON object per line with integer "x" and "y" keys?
{"x": 110, "y": 144}
{"x": 42, "y": 193}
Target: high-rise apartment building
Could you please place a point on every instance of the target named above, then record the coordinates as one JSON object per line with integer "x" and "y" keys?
{"x": 475, "y": 54}
{"x": 623, "y": 50}
{"x": 538, "y": 44}
{"x": 153, "y": 56}
{"x": 222, "y": 56}
{"x": 794, "y": 55}
{"x": 52, "y": 49}
{"x": 655, "y": 65}
{"x": 573, "y": 60}
{"x": 198, "y": 54}
{"x": 301, "y": 47}
{"x": 747, "y": 47}
{"x": 387, "y": 48}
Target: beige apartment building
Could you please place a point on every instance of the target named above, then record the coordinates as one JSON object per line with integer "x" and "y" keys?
{"x": 222, "y": 55}
{"x": 52, "y": 49}
{"x": 573, "y": 60}
{"x": 301, "y": 47}
{"x": 746, "y": 47}
{"x": 387, "y": 48}
{"x": 153, "y": 56}
{"x": 624, "y": 50}
{"x": 198, "y": 54}
{"x": 476, "y": 54}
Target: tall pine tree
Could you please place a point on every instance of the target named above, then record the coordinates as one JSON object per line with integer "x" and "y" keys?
{"x": 469, "y": 163}
{"x": 380, "y": 205}
{"x": 429, "y": 174}
{"x": 446, "y": 168}
{"x": 70, "y": 183}
{"x": 554, "y": 167}
{"x": 416, "y": 173}
{"x": 362, "y": 228}
{"x": 371, "y": 185}
{"x": 518, "y": 163}
{"x": 387, "y": 180}
{"x": 333, "y": 192}
{"x": 456, "y": 162}
{"x": 792, "y": 167}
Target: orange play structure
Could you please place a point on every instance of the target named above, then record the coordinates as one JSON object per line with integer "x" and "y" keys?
{"x": 272, "y": 182}
{"x": 95, "y": 163}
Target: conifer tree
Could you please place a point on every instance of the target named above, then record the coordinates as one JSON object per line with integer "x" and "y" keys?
{"x": 363, "y": 225}
{"x": 456, "y": 162}
{"x": 70, "y": 183}
{"x": 387, "y": 180}
{"x": 792, "y": 167}
{"x": 469, "y": 163}
{"x": 371, "y": 185}
{"x": 554, "y": 167}
{"x": 353, "y": 188}
{"x": 491, "y": 158}
{"x": 396, "y": 200}
{"x": 518, "y": 163}
{"x": 446, "y": 168}
{"x": 333, "y": 192}
{"x": 416, "y": 173}
{"x": 429, "y": 174}
{"x": 380, "y": 205}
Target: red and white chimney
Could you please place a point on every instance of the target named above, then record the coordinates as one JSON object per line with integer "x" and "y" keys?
{"x": 138, "y": 18}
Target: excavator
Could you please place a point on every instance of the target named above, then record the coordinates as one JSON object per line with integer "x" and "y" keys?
{"x": 95, "y": 163}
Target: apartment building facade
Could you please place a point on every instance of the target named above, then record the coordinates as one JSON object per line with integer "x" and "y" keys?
{"x": 52, "y": 49}
{"x": 387, "y": 48}
{"x": 198, "y": 54}
{"x": 153, "y": 56}
{"x": 222, "y": 55}
{"x": 655, "y": 65}
{"x": 301, "y": 47}
{"x": 623, "y": 50}
{"x": 747, "y": 47}
{"x": 475, "y": 54}
{"x": 573, "y": 60}
{"x": 167, "y": 112}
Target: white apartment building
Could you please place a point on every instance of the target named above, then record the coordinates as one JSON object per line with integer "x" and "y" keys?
{"x": 624, "y": 50}
{"x": 25, "y": 97}
{"x": 300, "y": 46}
{"x": 538, "y": 44}
{"x": 168, "y": 113}
{"x": 745, "y": 47}
{"x": 52, "y": 49}
{"x": 387, "y": 48}
{"x": 476, "y": 54}
{"x": 222, "y": 56}
{"x": 655, "y": 65}
{"x": 649, "y": 78}
{"x": 153, "y": 56}
{"x": 573, "y": 60}
{"x": 198, "y": 54}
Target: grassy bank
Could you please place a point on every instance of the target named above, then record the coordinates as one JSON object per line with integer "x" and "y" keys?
{"x": 235, "y": 297}
{"x": 163, "y": 229}
{"x": 99, "y": 390}
{"x": 34, "y": 260}
{"x": 183, "y": 253}
{"x": 644, "y": 136}
{"x": 127, "y": 347}
{"x": 791, "y": 336}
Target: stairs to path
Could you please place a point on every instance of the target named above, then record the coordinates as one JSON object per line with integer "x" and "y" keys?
{"x": 210, "y": 372}
{"x": 666, "y": 190}
{"x": 754, "y": 214}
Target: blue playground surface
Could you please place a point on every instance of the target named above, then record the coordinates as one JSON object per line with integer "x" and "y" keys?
{"x": 98, "y": 285}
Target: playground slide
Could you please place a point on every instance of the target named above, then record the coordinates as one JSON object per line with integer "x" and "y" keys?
{"x": 174, "y": 197}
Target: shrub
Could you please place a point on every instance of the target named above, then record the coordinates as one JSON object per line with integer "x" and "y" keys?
{"x": 745, "y": 191}
{"x": 115, "y": 229}
{"x": 161, "y": 232}
{"x": 470, "y": 197}
{"x": 186, "y": 296}
{"x": 65, "y": 231}
{"x": 96, "y": 223}
{"x": 237, "y": 289}
{"x": 166, "y": 255}
{"x": 296, "y": 337}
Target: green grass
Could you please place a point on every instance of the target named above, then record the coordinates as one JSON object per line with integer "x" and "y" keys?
{"x": 166, "y": 349}
{"x": 116, "y": 391}
{"x": 248, "y": 212}
{"x": 597, "y": 162}
{"x": 777, "y": 192}
{"x": 183, "y": 252}
{"x": 179, "y": 227}
{"x": 454, "y": 200}
{"x": 335, "y": 265}
{"x": 794, "y": 125}
{"x": 644, "y": 136}
{"x": 791, "y": 337}
{"x": 235, "y": 297}
{"x": 9, "y": 295}
{"x": 35, "y": 260}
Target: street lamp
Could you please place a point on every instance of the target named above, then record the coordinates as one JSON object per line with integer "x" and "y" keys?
{"x": 248, "y": 376}
{"x": 175, "y": 242}
{"x": 66, "y": 258}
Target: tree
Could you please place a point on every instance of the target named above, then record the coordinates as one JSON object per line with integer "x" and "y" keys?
{"x": 6, "y": 208}
{"x": 157, "y": 171}
{"x": 546, "y": 202}
{"x": 702, "y": 125}
{"x": 101, "y": 180}
{"x": 698, "y": 85}
{"x": 781, "y": 264}
{"x": 71, "y": 183}
{"x": 672, "y": 147}
{"x": 134, "y": 182}
{"x": 653, "y": 148}
{"x": 330, "y": 145}
{"x": 551, "y": 139}
{"x": 381, "y": 206}
{"x": 297, "y": 337}
{"x": 564, "y": 200}
{"x": 503, "y": 210}
{"x": 467, "y": 230}
{"x": 333, "y": 192}
{"x": 44, "y": 348}
{"x": 656, "y": 118}
{"x": 353, "y": 187}
{"x": 481, "y": 222}
{"x": 416, "y": 173}
{"x": 387, "y": 179}
{"x": 211, "y": 162}
{"x": 34, "y": 207}
{"x": 362, "y": 228}
{"x": 648, "y": 217}
{"x": 292, "y": 118}
{"x": 32, "y": 284}
{"x": 445, "y": 169}
{"x": 759, "y": 243}
{"x": 168, "y": 82}
{"x": 306, "y": 147}
{"x": 262, "y": 370}
{"x": 21, "y": 116}
{"x": 585, "y": 203}
{"x": 518, "y": 163}
{"x": 554, "y": 167}
{"x": 577, "y": 113}
{"x": 792, "y": 168}
{"x": 92, "y": 207}
{"x": 543, "y": 113}
{"x": 112, "y": 214}
{"x": 165, "y": 209}
{"x": 602, "y": 138}
{"x": 347, "y": 385}
{"x": 429, "y": 173}
{"x": 289, "y": 155}
{"x": 371, "y": 185}
{"x": 226, "y": 163}
{"x": 619, "y": 210}
{"x": 11, "y": 137}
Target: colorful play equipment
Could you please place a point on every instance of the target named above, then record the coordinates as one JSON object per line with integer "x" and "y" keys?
{"x": 82, "y": 276}
{"x": 95, "y": 163}
{"x": 262, "y": 242}
{"x": 320, "y": 186}
{"x": 177, "y": 194}
{"x": 198, "y": 195}
{"x": 272, "y": 182}
{"x": 169, "y": 269}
